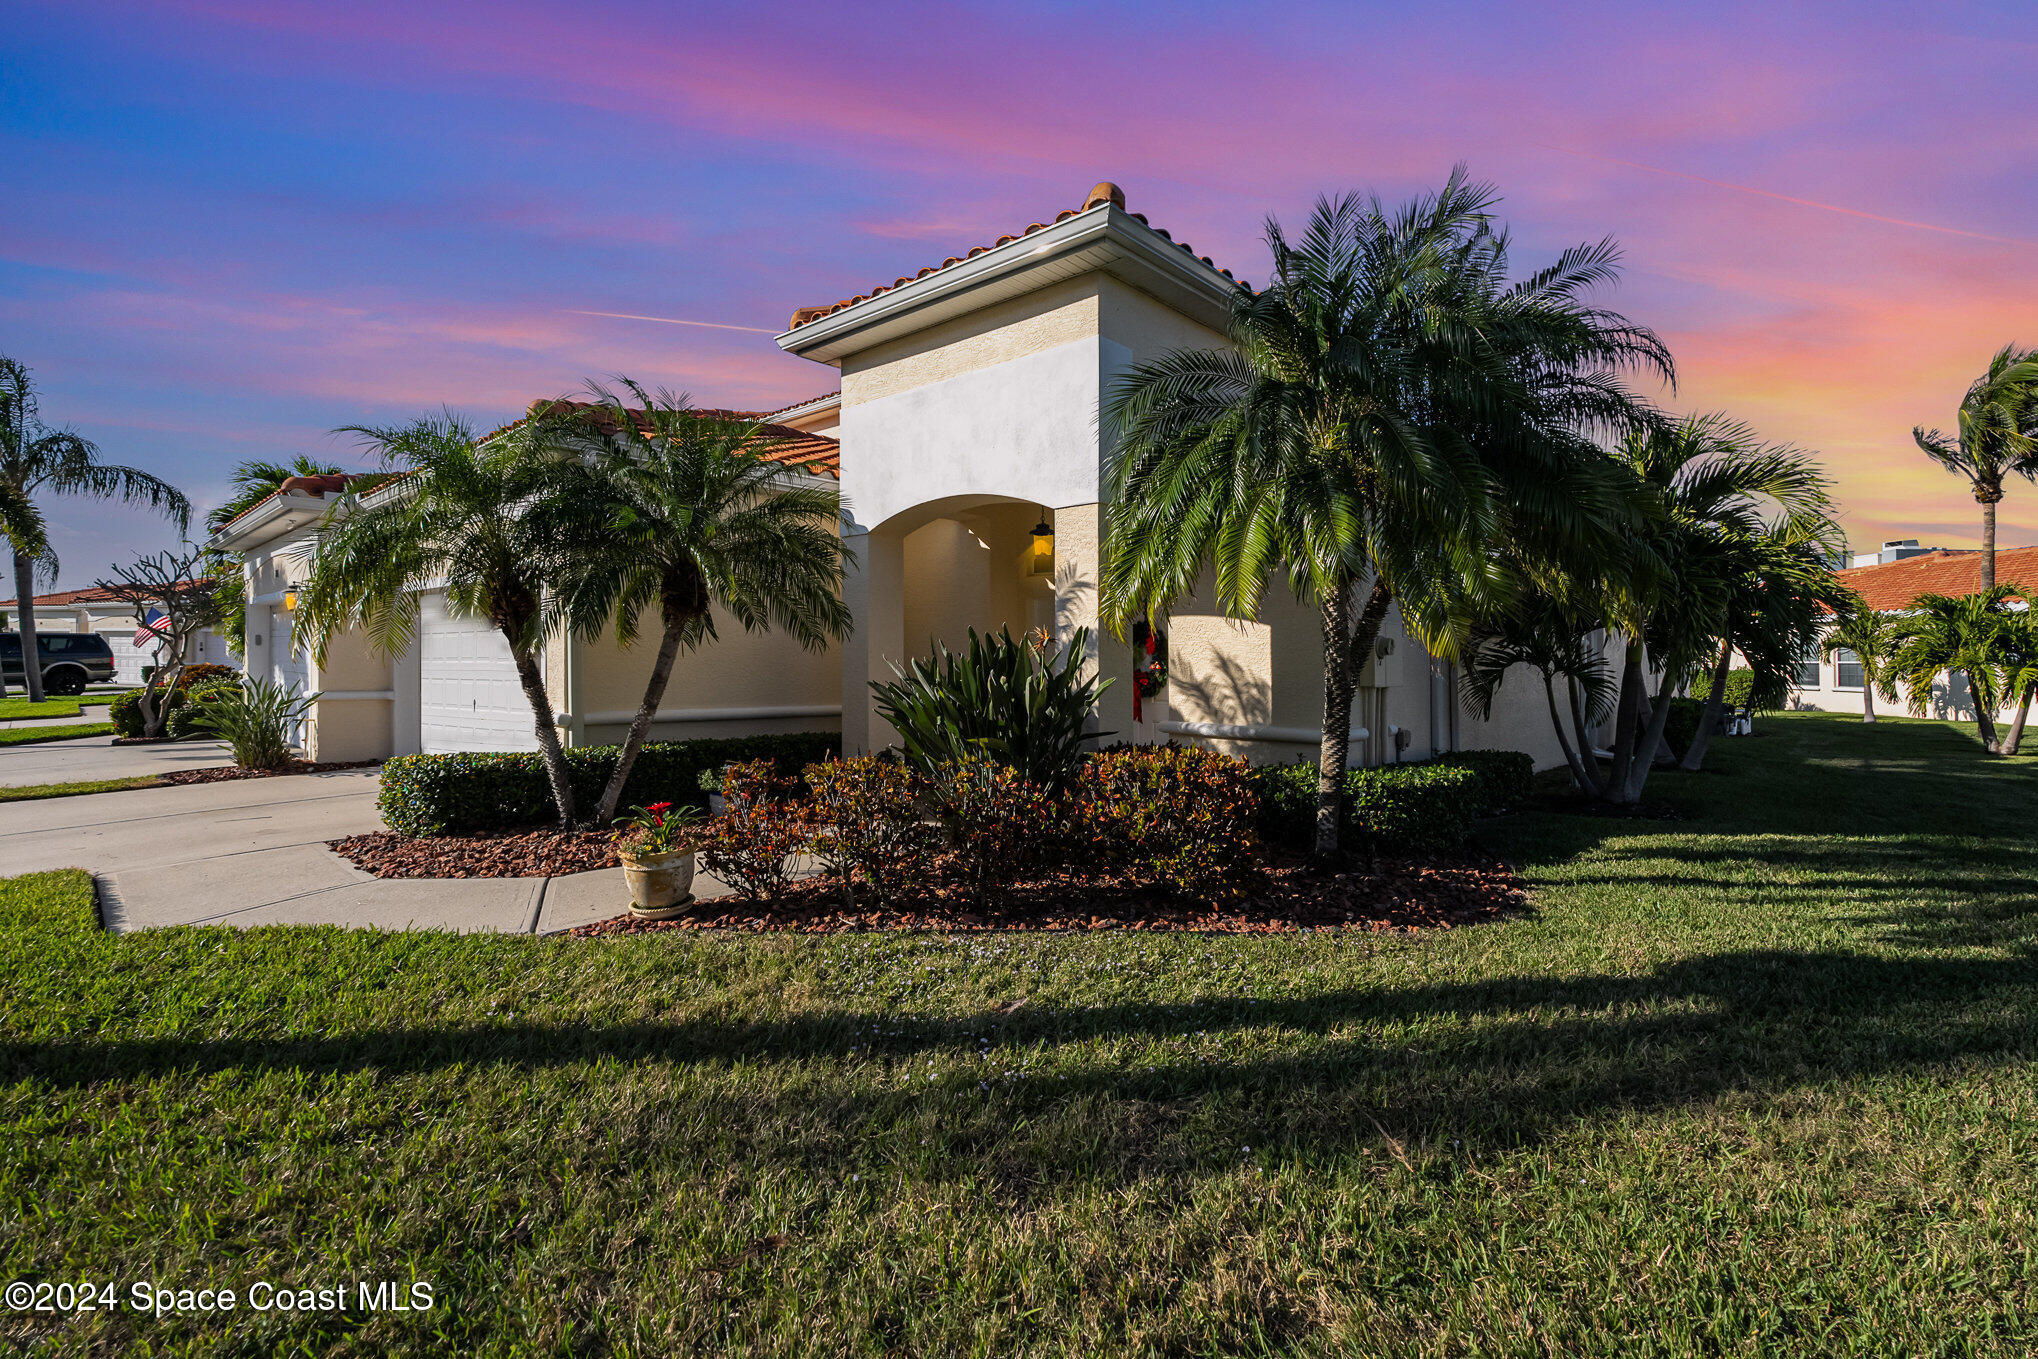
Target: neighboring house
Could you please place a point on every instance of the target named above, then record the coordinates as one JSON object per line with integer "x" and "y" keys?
{"x": 968, "y": 416}
{"x": 91, "y": 610}
{"x": 1890, "y": 586}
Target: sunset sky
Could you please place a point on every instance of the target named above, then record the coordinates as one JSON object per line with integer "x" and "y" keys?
{"x": 227, "y": 228}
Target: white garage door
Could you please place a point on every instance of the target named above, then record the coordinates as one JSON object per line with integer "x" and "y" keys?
{"x": 468, "y": 695}
{"x": 128, "y": 659}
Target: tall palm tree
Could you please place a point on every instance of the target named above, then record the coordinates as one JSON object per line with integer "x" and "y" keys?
{"x": 1393, "y": 406}
{"x": 1996, "y": 438}
{"x": 460, "y": 516}
{"x": 688, "y": 514}
{"x": 2019, "y": 669}
{"x": 1872, "y": 637}
{"x": 35, "y": 458}
{"x": 1965, "y": 633}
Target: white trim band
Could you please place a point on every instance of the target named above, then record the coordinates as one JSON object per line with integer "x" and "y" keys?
{"x": 347, "y": 695}
{"x": 700, "y": 715}
{"x": 1302, "y": 736}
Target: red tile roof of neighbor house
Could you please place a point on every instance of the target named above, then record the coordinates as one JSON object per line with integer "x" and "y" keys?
{"x": 1942, "y": 571}
{"x": 89, "y": 595}
{"x": 777, "y": 443}
{"x": 1106, "y": 192}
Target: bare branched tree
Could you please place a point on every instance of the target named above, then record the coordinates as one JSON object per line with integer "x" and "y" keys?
{"x": 167, "y": 582}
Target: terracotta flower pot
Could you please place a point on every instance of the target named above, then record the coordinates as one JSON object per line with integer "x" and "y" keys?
{"x": 661, "y": 884}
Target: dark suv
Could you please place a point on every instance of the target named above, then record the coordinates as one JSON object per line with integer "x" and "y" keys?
{"x": 70, "y": 660}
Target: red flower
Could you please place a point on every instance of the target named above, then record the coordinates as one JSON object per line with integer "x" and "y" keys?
{"x": 659, "y": 807}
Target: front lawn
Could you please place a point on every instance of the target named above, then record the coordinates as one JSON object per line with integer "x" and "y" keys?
{"x": 34, "y": 792}
{"x": 22, "y": 736}
{"x": 15, "y": 709}
{"x": 1761, "y": 1081}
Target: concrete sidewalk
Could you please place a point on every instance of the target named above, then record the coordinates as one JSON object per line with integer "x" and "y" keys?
{"x": 91, "y": 758}
{"x": 253, "y": 852}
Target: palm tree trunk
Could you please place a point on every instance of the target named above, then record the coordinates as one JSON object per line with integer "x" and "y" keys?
{"x": 2015, "y": 739}
{"x": 1588, "y": 758}
{"x": 1584, "y": 780}
{"x": 1649, "y": 738}
{"x": 1335, "y": 746}
{"x": 1627, "y": 719}
{"x": 1715, "y": 704}
{"x": 1984, "y": 715}
{"x": 1867, "y": 699}
{"x": 24, "y": 598}
{"x": 640, "y": 725}
{"x": 1988, "y": 496}
{"x": 548, "y": 731}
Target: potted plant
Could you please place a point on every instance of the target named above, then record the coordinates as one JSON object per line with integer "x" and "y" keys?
{"x": 656, "y": 849}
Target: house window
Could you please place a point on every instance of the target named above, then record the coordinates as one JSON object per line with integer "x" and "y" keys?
{"x": 1806, "y": 675}
{"x": 1846, "y": 670}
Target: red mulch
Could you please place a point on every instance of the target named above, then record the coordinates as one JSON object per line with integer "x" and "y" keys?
{"x": 531, "y": 854}
{"x": 227, "y": 773}
{"x": 1436, "y": 892}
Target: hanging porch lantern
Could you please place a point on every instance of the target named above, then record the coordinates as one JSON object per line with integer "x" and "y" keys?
{"x": 1041, "y": 562}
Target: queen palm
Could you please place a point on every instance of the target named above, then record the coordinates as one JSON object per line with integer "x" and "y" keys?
{"x": 1996, "y": 437}
{"x": 1965, "y": 633}
{"x": 460, "y": 516}
{"x": 35, "y": 459}
{"x": 689, "y": 515}
{"x": 1872, "y": 638}
{"x": 1393, "y": 406}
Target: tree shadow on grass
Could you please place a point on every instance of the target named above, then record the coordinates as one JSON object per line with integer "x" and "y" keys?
{"x": 1506, "y": 1062}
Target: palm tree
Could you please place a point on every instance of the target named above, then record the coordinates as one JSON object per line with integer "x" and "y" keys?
{"x": 1872, "y": 637}
{"x": 1966, "y": 633}
{"x": 689, "y": 514}
{"x": 1997, "y": 437}
{"x": 257, "y": 479}
{"x": 461, "y": 517}
{"x": 1392, "y": 407}
{"x": 35, "y": 458}
{"x": 2019, "y": 669}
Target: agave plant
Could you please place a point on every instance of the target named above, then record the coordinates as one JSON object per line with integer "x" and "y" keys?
{"x": 255, "y": 719}
{"x": 1024, "y": 706}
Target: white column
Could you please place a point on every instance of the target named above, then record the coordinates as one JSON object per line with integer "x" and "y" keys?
{"x": 1078, "y": 562}
{"x": 874, "y": 589}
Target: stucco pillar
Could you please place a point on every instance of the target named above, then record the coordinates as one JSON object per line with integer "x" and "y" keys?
{"x": 874, "y": 589}
{"x": 1078, "y": 565}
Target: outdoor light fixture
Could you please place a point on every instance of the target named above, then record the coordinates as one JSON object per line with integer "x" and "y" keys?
{"x": 290, "y": 601}
{"x": 1043, "y": 546}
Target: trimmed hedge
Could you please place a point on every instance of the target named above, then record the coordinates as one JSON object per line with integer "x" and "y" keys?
{"x": 1740, "y": 689}
{"x": 1508, "y": 775}
{"x": 1424, "y": 806}
{"x": 1682, "y": 726}
{"x": 475, "y": 791}
{"x": 125, "y": 712}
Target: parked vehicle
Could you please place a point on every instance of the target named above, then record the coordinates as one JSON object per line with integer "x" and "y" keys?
{"x": 70, "y": 660}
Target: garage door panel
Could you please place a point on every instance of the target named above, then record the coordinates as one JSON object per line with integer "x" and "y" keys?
{"x": 469, "y": 695}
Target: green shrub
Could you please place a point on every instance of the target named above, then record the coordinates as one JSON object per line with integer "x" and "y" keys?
{"x": 1020, "y": 704}
{"x": 1177, "y": 817}
{"x": 1740, "y": 688}
{"x": 254, "y": 718}
{"x": 476, "y": 791}
{"x": 1424, "y": 806}
{"x": 125, "y": 713}
{"x": 1507, "y": 776}
{"x": 185, "y": 714}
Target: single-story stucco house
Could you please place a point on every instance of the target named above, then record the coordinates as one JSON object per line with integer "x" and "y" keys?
{"x": 966, "y": 416}
{"x": 1835, "y": 684}
{"x": 91, "y": 610}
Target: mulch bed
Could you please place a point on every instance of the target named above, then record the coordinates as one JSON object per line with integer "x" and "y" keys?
{"x": 227, "y": 773}
{"x": 531, "y": 854}
{"x": 1408, "y": 895}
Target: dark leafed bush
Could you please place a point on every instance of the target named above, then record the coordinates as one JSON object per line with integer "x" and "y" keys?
{"x": 752, "y": 846}
{"x": 1000, "y": 826}
{"x": 184, "y": 714}
{"x": 125, "y": 712}
{"x": 1508, "y": 776}
{"x": 475, "y": 791}
{"x": 1176, "y": 817}
{"x": 868, "y": 825}
{"x": 1403, "y": 806}
{"x": 1682, "y": 724}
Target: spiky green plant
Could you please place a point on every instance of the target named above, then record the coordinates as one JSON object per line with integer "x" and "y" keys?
{"x": 1022, "y": 705}
{"x": 255, "y": 718}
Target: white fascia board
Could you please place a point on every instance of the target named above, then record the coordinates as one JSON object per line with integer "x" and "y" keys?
{"x": 265, "y": 522}
{"x": 1134, "y": 250}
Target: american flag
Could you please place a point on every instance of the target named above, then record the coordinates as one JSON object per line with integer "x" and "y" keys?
{"x": 154, "y": 628}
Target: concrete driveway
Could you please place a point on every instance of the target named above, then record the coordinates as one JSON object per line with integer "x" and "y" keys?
{"x": 91, "y": 758}
{"x": 253, "y": 852}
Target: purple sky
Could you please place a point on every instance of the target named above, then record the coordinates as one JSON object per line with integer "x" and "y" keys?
{"x": 229, "y": 227}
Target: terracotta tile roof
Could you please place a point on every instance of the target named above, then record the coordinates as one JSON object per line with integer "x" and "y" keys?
{"x": 809, "y": 401}
{"x": 318, "y": 487}
{"x": 90, "y": 595}
{"x": 1104, "y": 193}
{"x": 1943, "y": 571}
{"x": 786, "y": 444}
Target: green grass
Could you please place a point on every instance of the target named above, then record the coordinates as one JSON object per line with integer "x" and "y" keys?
{"x": 36, "y": 791}
{"x": 22, "y": 736}
{"x": 14, "y": 709}
{"x": 1762, "y": 1081}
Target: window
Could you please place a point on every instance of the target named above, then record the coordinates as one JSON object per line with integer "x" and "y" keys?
{"x": 1806, "y": 676}
{"x": 1846, "y": 670}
